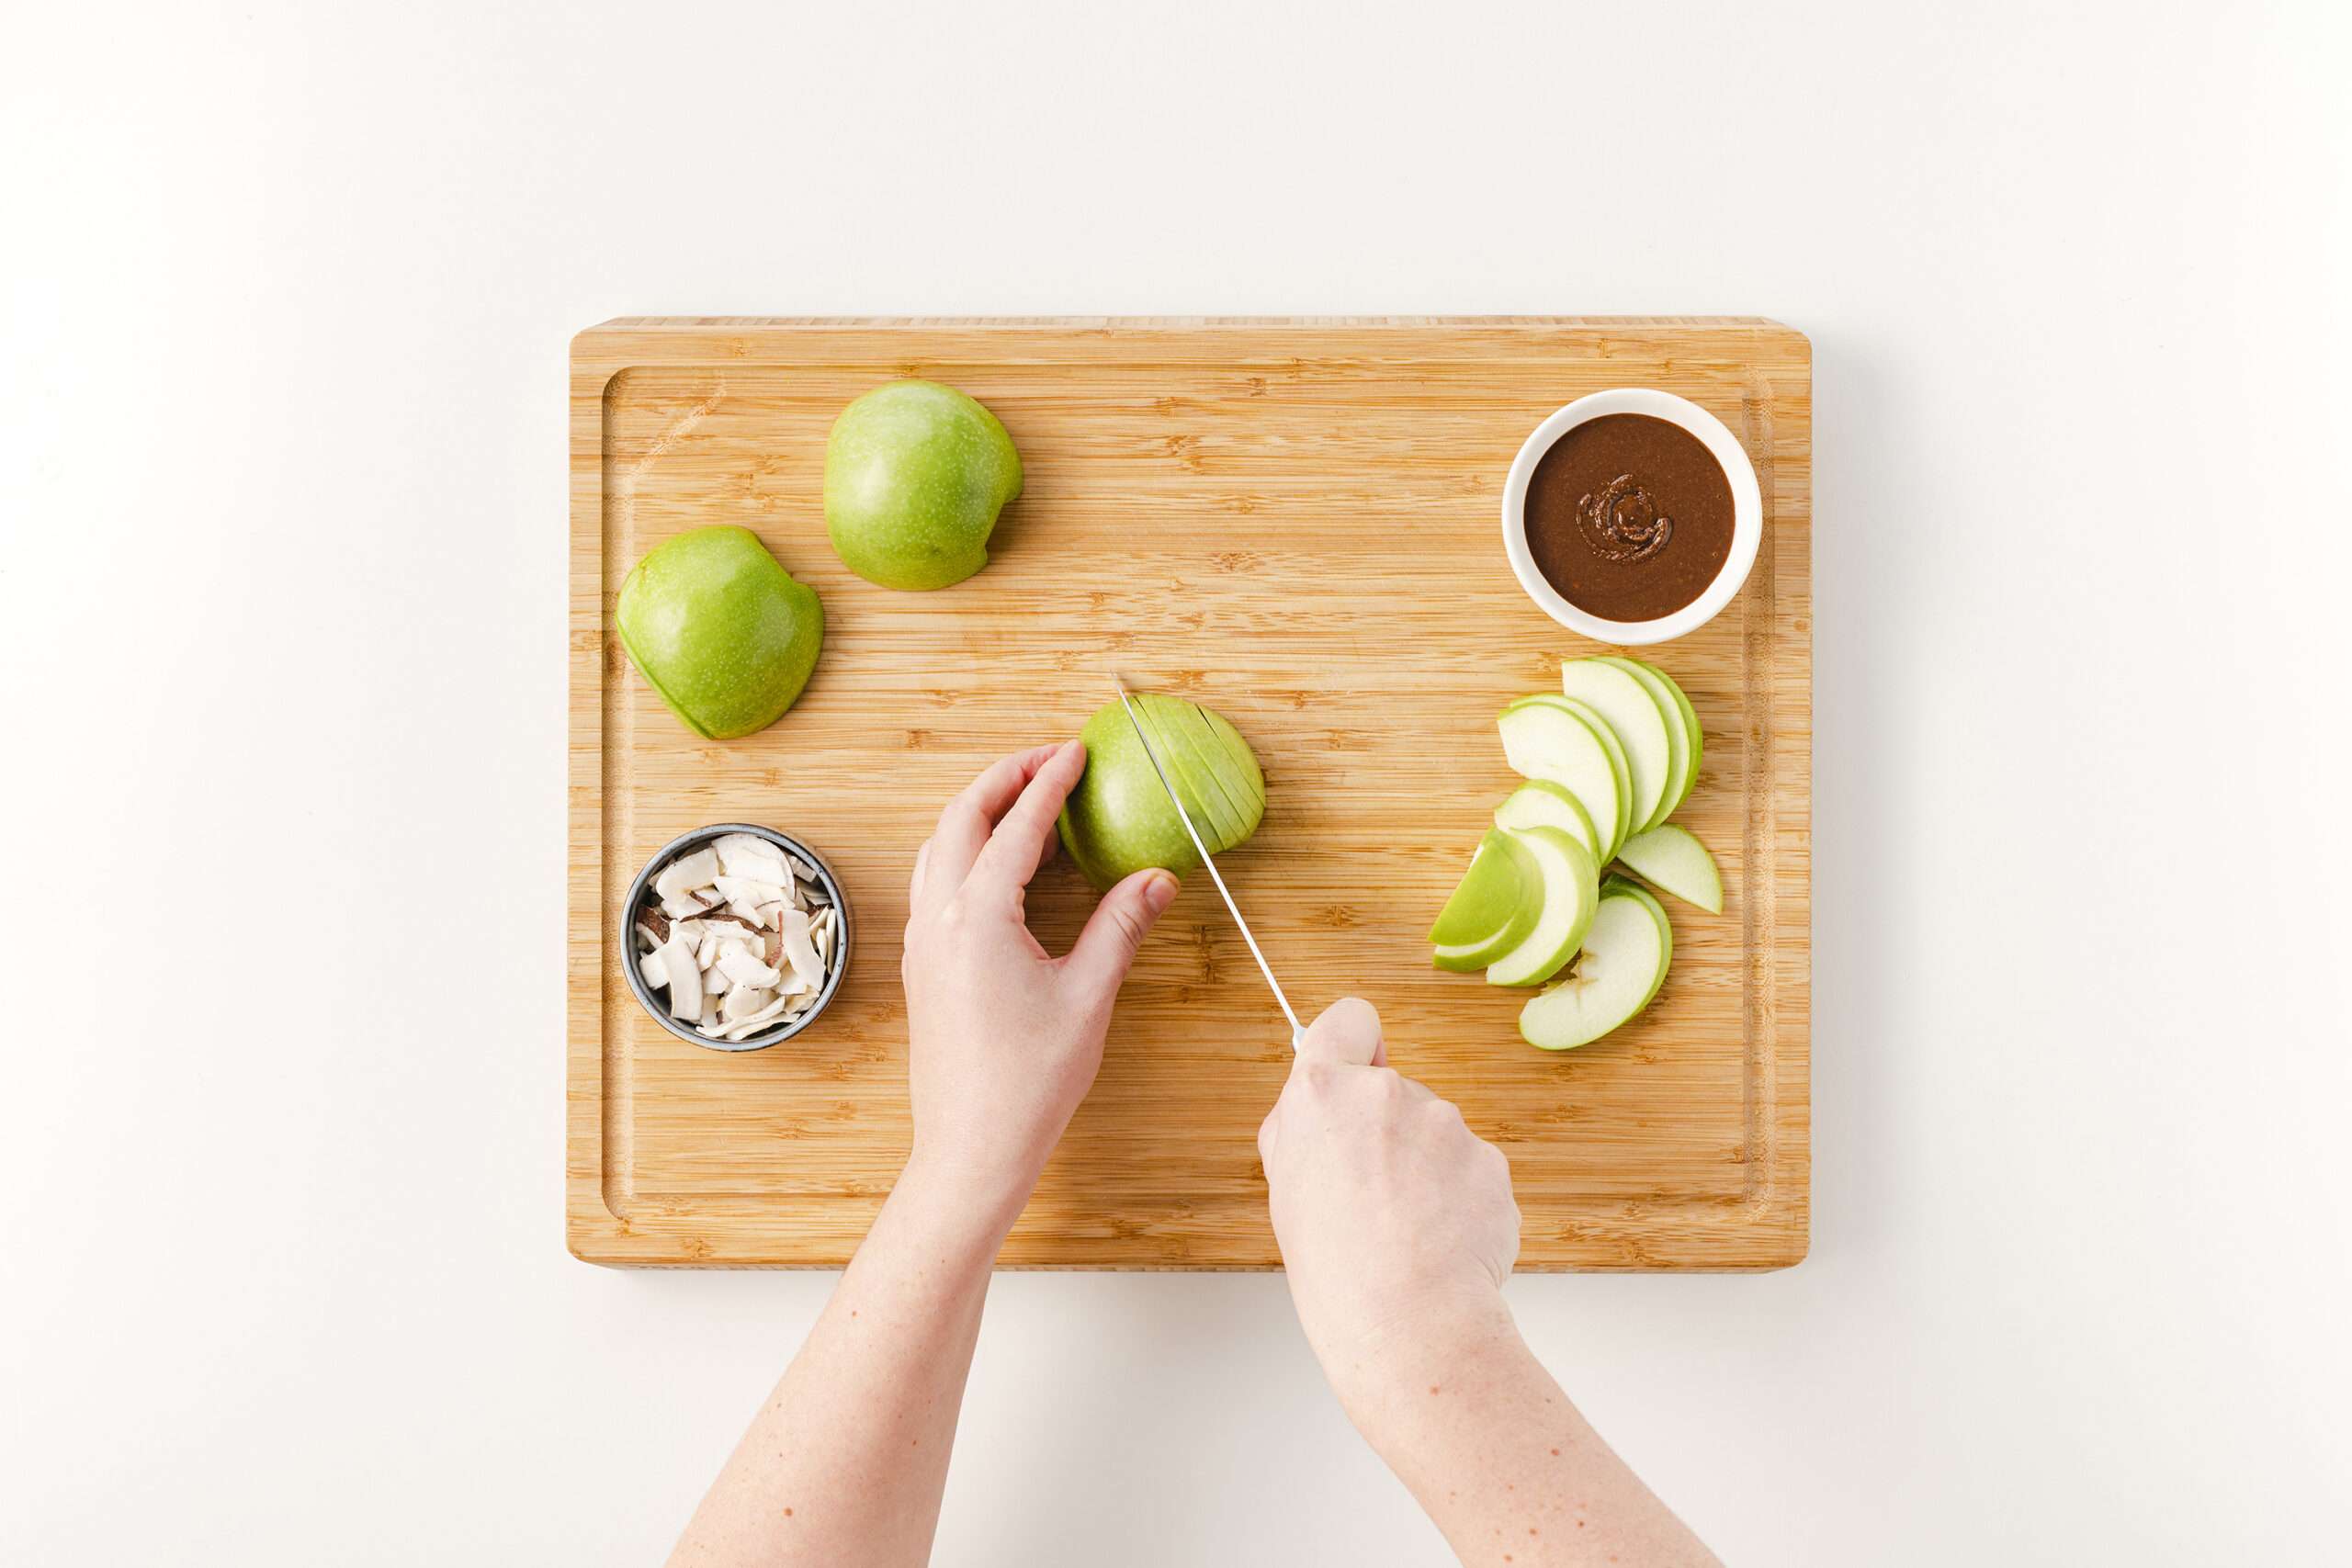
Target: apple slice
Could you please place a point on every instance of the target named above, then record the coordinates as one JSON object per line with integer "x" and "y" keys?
{"x": 1571, "y": 891}
{"x": 1617, "y": 761}
{"x": 1679, "y": 769}
{"x": 1218, "y": 820}
{"x": 1669, "y": 858}
{"x": 1616, "y": 885}
{"x": 1647, "y": 727}
{"x": 1540, "y": 803}
{"x": 1496, "y": 904}
{"x": 1624, "y": 961}
{"x": 1543, "y": 739}
{"x": 1689, "y": 726}
{"x": 1244, "y": 782}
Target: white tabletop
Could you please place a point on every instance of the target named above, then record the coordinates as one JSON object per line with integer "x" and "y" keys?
{"x": 282, "y": 347}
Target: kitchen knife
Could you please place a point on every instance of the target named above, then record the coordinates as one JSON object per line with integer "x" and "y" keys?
{"x": 1297, "y": 1031}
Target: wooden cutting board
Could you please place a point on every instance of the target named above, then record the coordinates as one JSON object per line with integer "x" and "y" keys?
{"x": 1296, "y": 523}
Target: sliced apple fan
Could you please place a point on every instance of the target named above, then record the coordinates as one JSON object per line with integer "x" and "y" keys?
{"x": 740, "y": 934}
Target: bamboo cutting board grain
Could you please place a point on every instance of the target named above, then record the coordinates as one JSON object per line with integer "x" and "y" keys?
{"x": 1296, "y": 523}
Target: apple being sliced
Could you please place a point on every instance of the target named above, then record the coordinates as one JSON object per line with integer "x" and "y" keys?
{"x": 1570, "y": 893}
{"x": 1669, "y": 858}
{"x": 1496, "y": 904}
{"x": 1647, "y": 727}
{"x": 1544, "y": 739}
{"x": 1540, "y": 803}
{"x": 1623, "y": 962}
{"x": 1171, "y": 739}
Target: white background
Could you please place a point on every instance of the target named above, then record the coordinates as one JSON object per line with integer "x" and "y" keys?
{"x": 288, "y": 294}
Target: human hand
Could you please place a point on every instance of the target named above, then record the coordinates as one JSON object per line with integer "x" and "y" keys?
{"x": 1394, "y": 1218}
{"x": 1004, "y": 1039}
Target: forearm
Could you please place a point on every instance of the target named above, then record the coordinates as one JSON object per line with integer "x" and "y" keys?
{"x": 1485, "y": 1439}
{"x": 845, "y": 1462}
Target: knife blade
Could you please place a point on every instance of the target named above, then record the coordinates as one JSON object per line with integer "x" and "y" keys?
{"x": 1297, "y": 1031}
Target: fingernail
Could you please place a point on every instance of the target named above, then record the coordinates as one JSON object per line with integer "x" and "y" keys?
{"x": 1159, "y": 893}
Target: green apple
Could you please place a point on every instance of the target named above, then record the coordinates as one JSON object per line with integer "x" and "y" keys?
{"x": 1625, "y": 957}
{"x": 1677, "y": 736}
{"x": 1570, "y": 893}
{"x": 1544, "y": 739}
{"x": 915, "y": 474}
{"x": 1496, "y": 904}
{"x": 720, "y": 630}
{"x": 1119, "y": 818}
{"x": 1670, "y": 859}
{"x": 1689, "y": 725}
{"x": 1540, "y": 803}
{"x": 1647, "y": 728}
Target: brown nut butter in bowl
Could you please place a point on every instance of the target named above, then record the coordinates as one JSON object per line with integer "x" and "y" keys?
{"x": 1629, "y": 516}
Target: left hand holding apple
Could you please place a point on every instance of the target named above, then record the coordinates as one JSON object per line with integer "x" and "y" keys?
{"x": 1004, "y": 1039}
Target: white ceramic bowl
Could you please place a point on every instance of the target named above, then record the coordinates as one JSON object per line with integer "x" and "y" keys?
{"x": 1747, "y": 506}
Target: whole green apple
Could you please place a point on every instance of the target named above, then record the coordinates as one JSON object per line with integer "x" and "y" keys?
{"x": 915, "y": 474}
{"x": 1118, "y": 820}
{"x": 720, "y": 630}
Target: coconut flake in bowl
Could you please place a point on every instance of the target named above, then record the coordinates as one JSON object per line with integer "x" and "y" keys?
{"x": 737, "y": 937}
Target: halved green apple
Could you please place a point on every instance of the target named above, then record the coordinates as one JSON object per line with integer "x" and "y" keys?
{"x": 1495, "y": 905}
{"x": 1625, "y": 957}
{"x": 1544, "y": 739}
{"x": 1647, "y": 727}
{"x": 1689, "y": 726}
{"x": 1570, "y": 893}
{"x": 1540, "y": 803}
{"x": 1670, "y": 859}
